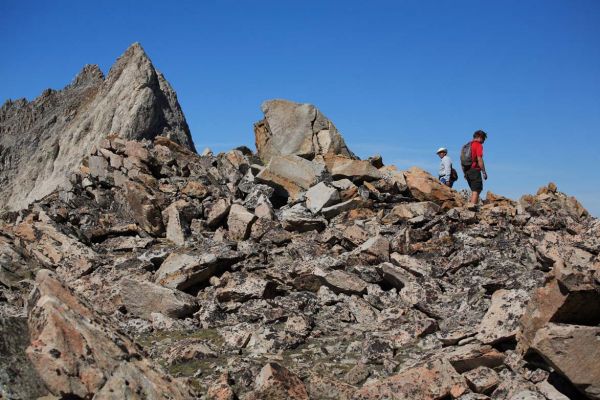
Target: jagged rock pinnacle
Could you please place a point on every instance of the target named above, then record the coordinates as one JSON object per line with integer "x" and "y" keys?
{"x": 42, "y": 141}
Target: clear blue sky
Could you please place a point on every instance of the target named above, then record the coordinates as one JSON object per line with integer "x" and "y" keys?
{"x": 399, "y": 78}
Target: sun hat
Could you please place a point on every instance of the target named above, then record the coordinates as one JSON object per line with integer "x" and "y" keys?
{"x": 441, "y": 149}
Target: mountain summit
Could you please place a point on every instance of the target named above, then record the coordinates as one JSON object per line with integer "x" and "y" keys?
{"x": 42, "y": 141}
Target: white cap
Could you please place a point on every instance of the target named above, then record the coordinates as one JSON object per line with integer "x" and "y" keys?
{"x": 441, "y": 149}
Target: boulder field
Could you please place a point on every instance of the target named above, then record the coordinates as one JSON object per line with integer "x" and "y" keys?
{"x": 296, "y": 272}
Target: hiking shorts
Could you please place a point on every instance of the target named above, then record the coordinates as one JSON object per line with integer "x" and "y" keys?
{"x": 474, "y": 179}
{"x": 443, "y": 180}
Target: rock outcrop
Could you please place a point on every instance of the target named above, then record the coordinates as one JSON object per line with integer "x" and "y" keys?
{"x": 76, "y": 353}
{"x": 403, "y": 294}
{"x": 43, "y": 141}
{"x": 307, "y": 275}
{"x": 296, "y": 129}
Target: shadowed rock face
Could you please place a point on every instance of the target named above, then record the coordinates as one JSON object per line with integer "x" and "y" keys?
{"x": 42, "y": 141}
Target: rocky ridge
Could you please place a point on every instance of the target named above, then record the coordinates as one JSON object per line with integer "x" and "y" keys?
{"x": 160, "y": 273}
{"x": 43, "y": 140}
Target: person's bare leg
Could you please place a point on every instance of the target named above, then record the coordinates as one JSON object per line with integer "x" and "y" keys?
{"x": 474, "y": 197}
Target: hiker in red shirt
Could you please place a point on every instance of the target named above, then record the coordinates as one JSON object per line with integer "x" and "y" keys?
{"x": 474, "y": 174}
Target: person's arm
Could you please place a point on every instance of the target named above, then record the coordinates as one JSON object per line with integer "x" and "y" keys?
{"x": 482, "y": 166}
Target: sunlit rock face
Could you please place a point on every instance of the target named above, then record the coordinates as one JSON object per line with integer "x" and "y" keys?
{"x": 42, "y": 141}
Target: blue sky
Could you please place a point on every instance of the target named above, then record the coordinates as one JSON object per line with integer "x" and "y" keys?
{"x": 399, "y": 78}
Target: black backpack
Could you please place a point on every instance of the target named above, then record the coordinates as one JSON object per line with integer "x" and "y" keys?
{"x": 453, "y": 175}
{"x": 466, "y": 158}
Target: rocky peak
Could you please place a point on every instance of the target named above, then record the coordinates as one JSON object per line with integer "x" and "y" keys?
{"x": 90, "y": 74}
{"x": 135, "y": 65}
{"x": 43, "y": 141}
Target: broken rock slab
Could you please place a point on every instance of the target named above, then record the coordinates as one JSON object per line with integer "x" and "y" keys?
{"x": 570, "y": 301}
{"x": 142, "y": 298}
{"x": 501, "y": 322}
{"x": 423, "y": 186}
{"x": 346, "y": 189}
{"x": 343, "y": 282}
{"x": 299, "y": 219}
{"x": 573, "y": 351}
{"x": 183, "y": 270}
{"x": 391, "y": 174}
{"x": 406, "y": 211}
{"x": 411, "y": 264}
{"x": 178, "y": 217}
{"x": 79, "y": 353}
{"x": 240, "y": 222}
{"x": 341, "y": 167}
{"x": 144, "y": 208}
{"x": 473, "y": 355}
{"x": 217, "y": 212}
{"x": 291, "y": 175}
{"x": 356, "y": 235}
{"x": 291, "y": 128}
{"x": 242, "y": 287}
{"x": 406, "y": 284}
{"x": 336, "y": 209}
{"x": 374, "y": 250}
{"x": 321, "y": 195}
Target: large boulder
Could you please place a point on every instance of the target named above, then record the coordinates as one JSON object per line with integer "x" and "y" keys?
{"x": 341, "y": 167}
{"x": 296, "y": 129}
{"x": 183, "y": 270}
{"x": 79, "y": 353}
{"x": 59, "y": 128}
{"x": 569, "y": 297}
{"x": 424, "y": 187}
{"x": 142, "y": 298}
{"x": 291, "y": 175}
{"x": 573, "y": 351}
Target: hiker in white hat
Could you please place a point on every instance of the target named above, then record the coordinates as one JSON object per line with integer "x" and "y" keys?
{"x": 447, "y": 174}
